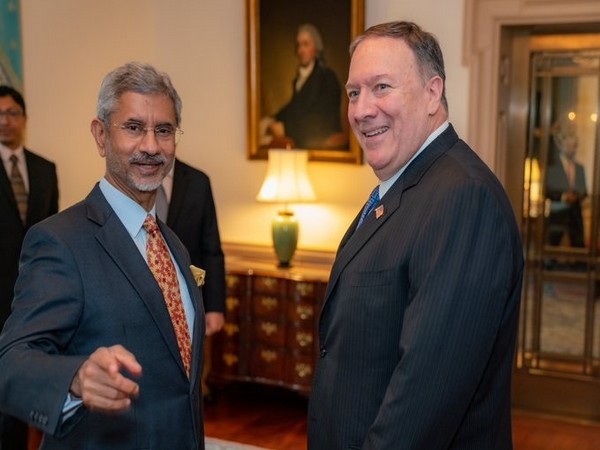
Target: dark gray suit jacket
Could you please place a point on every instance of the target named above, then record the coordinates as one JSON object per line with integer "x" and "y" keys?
{"x": 84, "y": 284}
{"x": 417, "y": 332}
{"x": 42, "y": 202}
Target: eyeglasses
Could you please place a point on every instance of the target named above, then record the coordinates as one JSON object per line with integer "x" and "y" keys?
{"x": 11, "y": 114}
{"x": 163, "y": 133}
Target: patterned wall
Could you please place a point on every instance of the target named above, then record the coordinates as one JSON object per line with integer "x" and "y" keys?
{"x": 11, "y": 68}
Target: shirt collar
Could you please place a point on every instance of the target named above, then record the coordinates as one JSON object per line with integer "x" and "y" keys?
{"x": 384, "y": 186}
{"x": 129, "y": 212}
{"x": 6, "y": 153}
{"x": 306, "y": 71}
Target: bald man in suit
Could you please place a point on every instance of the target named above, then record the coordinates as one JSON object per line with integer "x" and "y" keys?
{"x": 41, "y": 200}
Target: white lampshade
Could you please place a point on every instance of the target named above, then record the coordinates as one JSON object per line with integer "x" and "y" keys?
{"x": 287, "y": 179}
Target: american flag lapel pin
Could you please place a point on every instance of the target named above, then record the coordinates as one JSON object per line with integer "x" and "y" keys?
{"x": 379, "y": 211}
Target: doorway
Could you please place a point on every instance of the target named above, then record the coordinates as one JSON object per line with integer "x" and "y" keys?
{"x": 552, "y": 93}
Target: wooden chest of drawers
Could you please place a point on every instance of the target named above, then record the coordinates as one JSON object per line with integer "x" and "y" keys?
{"x": 270, "y": 334}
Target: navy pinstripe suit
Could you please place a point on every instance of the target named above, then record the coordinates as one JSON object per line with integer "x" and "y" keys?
{"x": 418, "y": 327}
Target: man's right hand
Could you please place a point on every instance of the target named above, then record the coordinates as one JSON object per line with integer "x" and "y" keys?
{"x": 100, "y": 384}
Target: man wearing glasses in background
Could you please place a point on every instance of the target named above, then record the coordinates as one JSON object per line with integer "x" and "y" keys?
{"x": 28, "y": 194}
{"x": 103, "y": 348}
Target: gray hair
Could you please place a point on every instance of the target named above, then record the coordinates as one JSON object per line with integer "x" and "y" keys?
{"x": 423, "y": 44}
{"x": 134, "y": 77}
{"x": 316, "y": 36}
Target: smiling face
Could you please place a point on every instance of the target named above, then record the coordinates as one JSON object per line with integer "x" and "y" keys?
{"x": 392, "y": 109}
{"x": 137, "y": 166}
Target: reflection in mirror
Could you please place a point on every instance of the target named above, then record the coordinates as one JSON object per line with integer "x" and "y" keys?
{"x": 561, "y": 214}
{"x": 571, "y": 150}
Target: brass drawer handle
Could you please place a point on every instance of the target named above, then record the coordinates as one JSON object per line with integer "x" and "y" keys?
{"x": 231, "y": 329}
{"x": 268, "y": 327}
{"x": 269, "y": 282}
{"x": 303, "y": 338}
{"x": 304, "y": 311}
{"x": 232, "y": 281}
{"x": 269, "y": 302}
{"x": 230, "y": 359}
{"x": 303, "y": 370}
{"x": 268, "y": 355}
{"x": 232, "y": 303}
{"x": 305, "y": 289}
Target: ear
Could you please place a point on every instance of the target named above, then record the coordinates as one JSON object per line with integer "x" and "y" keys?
{"x": 99, "y": 133}
{"x": 435, "y": 88}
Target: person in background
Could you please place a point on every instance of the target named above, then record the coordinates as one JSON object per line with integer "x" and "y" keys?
{"x": 28, "y": 194}
{"x": 185, "y": 203}
{"x": 565, "y": 186}
{"x": 311, "y": 119}
{"x": 103, "y": 348}
{"x": 419, "y": 321}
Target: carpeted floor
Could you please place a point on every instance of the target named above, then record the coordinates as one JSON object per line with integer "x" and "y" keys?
{"x": 219, "y": 444}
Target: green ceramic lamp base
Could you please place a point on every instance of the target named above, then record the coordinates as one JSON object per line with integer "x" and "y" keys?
{"x": 285, "y": 237}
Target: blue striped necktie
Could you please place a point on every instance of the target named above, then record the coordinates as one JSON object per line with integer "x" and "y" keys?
{"x": 373, "y": 199}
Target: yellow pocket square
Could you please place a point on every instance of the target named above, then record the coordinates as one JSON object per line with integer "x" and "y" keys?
{"x": 199, "y": 274}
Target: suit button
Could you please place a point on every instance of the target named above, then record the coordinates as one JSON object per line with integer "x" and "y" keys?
{"x": 322, "y": 352}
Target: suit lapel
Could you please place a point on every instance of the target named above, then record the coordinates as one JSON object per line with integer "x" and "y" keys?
{"x": 117, "y": 242}
{"x": 354, "y": 240}
{"x": 7, "y": 188}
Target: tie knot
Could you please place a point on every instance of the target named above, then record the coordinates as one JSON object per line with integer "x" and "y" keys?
{"x": 14, "y": 159}
{"x": 150, "y": 224}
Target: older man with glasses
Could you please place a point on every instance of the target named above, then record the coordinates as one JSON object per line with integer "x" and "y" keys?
{"x": 103, "y": 348}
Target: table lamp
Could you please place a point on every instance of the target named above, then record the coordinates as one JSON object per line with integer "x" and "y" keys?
{"x": 286, "y": 182}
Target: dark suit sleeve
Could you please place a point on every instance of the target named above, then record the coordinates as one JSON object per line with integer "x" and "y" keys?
{"x": 462, "y": 278}
{"x": 45, "y": 316}
{"x": 211, "y": 258}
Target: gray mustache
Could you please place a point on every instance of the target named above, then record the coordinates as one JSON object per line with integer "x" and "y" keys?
{"x": 145, "y": 158}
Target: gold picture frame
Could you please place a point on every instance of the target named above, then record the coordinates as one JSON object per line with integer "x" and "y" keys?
{"x": 272, "y": 26}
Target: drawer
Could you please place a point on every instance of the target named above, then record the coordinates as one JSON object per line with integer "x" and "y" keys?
{"x": 302, "y": 289}
{"x": 300, "y": 339}
{"x": 226, "y": 359}
{"x": 265, "y": 305}
{"x": 268, "y": 285}
{"x": 267, "y": 362}
{"x": 304, "y": 312}
{"x": 234, "y": 307}
{"x": 300, "y": 370}
{"x": 269, "y": 332}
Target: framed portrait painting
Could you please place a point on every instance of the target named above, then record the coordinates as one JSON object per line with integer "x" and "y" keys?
{"x": 298, "y": 62}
